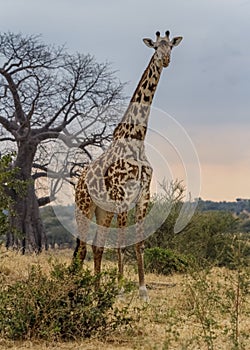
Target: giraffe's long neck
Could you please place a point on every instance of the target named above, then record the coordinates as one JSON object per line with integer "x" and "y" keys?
{"x": 135, "y": 120}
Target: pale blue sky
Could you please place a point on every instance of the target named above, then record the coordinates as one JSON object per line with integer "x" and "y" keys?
{"x": 206, "y": 88}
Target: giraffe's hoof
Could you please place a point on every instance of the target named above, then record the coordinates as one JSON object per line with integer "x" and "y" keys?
{"x": 143, "y": 294}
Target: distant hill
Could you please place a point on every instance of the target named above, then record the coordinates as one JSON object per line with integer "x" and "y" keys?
{"x": 57, "y": 220}
{"x": 238, "y": 206}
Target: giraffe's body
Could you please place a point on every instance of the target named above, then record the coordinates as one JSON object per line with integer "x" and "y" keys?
{"x": 120, "y": 178}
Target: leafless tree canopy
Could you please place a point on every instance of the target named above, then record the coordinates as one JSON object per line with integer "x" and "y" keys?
{"x": 46, "y": 94}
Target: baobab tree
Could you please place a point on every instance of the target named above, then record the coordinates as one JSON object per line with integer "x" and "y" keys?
{"x": 44, "y": 91}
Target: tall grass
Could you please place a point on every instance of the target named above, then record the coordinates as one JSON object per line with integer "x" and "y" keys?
{"x": 41, "y": 300}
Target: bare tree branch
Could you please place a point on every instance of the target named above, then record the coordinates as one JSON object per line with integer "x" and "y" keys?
{"x": 4, "y": 139}
{"x": 59, "y": 109}
{"x": 45, "y": 200}
{"x": 15, "y": 95}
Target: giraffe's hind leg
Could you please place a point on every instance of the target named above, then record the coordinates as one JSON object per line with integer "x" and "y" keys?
{"x": 83, "y": 215}
{"x": 103, "y": 220}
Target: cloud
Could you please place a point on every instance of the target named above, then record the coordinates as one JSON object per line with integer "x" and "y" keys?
{"x": 225, "y": 182}
{"x": 224, "y": 156}
{"x": 222, "y": 144}
{"x": 206, "y": 87}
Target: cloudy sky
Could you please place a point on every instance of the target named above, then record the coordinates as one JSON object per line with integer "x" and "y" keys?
{"x": 205, "y": 89}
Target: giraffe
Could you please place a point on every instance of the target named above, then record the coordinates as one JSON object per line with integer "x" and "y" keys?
{"x": 119, "y": 179}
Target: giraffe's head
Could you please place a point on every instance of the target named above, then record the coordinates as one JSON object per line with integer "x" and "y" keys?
{"x": 163, "y": 46}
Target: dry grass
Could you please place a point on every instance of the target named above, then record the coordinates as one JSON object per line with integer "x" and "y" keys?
{"x": 171, "y": 319}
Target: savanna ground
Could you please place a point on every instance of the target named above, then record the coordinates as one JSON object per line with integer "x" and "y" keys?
{"x": 203, "y": 309}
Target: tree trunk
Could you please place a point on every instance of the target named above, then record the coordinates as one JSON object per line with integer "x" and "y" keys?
{"x": 27, "y": 231}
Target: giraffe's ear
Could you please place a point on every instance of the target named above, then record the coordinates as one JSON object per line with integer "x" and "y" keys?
{"x": 176, "y": 41}
{"x": 148, "y": 42}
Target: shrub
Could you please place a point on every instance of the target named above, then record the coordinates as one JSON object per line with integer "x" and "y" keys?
{"x": 165, "y": 261}
{"x": 218, "y": 300}
{"x": 9, "y": 187}
{"x": 60, "y": 306}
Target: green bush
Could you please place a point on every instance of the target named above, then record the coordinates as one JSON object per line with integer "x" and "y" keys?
{"x": 165, "y": 261}
{"x": 10, "y": 186}
{"x": 210, "y": 237}
{"x": 60, "y": 306}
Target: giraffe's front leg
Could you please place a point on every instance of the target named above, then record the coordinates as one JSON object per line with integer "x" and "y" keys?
{"x": 141, "y": 210}
{"x": 140, "y": 214}
{"x": 103, "y": 220}
{"x": 121, "y": 223}
{"x": 143, "y": 293}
